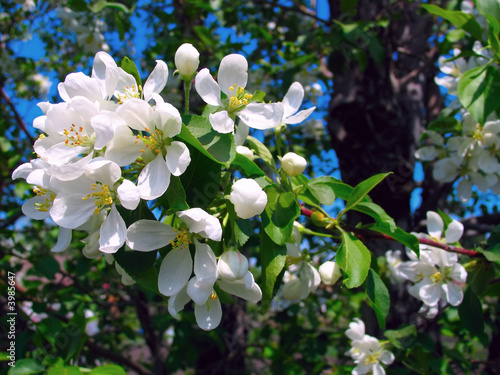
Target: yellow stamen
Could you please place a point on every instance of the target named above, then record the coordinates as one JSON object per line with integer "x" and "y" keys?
{"x": 240, "y": 98}
{"x": 102, "y": 196}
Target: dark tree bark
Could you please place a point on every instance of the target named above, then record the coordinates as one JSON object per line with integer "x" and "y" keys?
{"x": 377, "y": 114}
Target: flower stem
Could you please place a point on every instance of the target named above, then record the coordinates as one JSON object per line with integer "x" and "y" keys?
{"x": 187, "y": 89}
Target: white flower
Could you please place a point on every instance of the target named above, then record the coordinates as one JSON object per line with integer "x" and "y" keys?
{"x": 232, "y": 80}
{"x": 187, "y": 59}
{"x": 293, "y": 164}
{"x": 366, "y": 350}
{"x": 330, "y": 272}
{"x": 202, "y": 223}
{"x": 248, "y": 198}
{"x": 164, "y": 157}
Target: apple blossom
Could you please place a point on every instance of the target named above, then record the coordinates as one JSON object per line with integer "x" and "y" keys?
{"x": 330, "y": 272}
{"x": 232, "y": 265}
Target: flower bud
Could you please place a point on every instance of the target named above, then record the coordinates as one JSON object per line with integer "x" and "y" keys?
{"x": 293, "y": 164}
{"x": 245, "y": 151}
{"x": 232, "y": 266}
{"x": 187, "y": 59}
{"x": 330, "y": 273}
{"x": 248, "y": 198}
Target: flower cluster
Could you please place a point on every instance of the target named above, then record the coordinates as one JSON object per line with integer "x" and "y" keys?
{"x": 366, "y": 350}
{"x": 112, "y": 147}
{"x": 436, "y": 275}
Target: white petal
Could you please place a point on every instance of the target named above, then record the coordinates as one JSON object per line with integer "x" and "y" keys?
{"x": 241, "y": 134}
{"x": 31, "y": 210}
{"x": 208, "y": 315}
{"x": 79, "y": 84}
{"x": 147, "y": 235}
{"x": 154, "y": 179}
{"x": 168, "y": 120}
{"x": 113, "y": 232}
{"x": 232, "y": 71}
{"x": 435, "y": 224}
{"x": 104, "y": 171}
{"x": 201, "y": 222}
{"x": 293, "y": 99}
{"x": 175, "y": 271}
{"x": 200, "y": 290}
{"x": 464, "y": 190}
{"x": 178, "y": 158}
{"x": 71, "y": 211}
{"x": 156, "y": 80}
{"x": 137, "y": 114}
{"x": 205, "y": 263}
{"x": 299, "y": 117}
{"x": 124, "y": 147}
{"x": 177, "y": 302}
{"x": 129, "y": 195}
{"x": 207, "y": 88}
{"x": 386, "y": 357}
{"x": 104, "y": 130}
{"x": 454, "y": 294}
{"x": 104, "y": 70}
{"x": 454, "y": 231}
{"x": 429, "y": 292}
{"x": 221, "y": 122}
{"x": 262, "y": 116}
{"x": 22, "y": 171}
{"x": 63, "y": 240}
{"x": 238, "y": 288}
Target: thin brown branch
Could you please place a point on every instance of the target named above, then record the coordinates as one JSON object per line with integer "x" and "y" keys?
{"x": 17, "y": 116}
{"x": 369, "y": 234}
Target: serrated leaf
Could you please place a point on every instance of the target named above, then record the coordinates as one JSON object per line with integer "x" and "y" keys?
{"x": 219, "y": 146}
{"x": 377, "y": 293}
{"x": 280, "y": 213}
{"x": 354, "y": 259}
{"x": 362, "y": 189}
{"x": 470, "y": 312}
{"x": 273, "y": 260}
{"x": 479, "y": 92}
{"x": 402, "y": 338}
{"x": 129, "y": 66}
{"x": 458, "y": 18}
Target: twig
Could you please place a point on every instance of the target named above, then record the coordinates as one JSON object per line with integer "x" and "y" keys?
{"x": 17, "y": 116}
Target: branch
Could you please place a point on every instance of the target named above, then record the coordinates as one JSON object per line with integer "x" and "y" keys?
{"x": 17, "y": 116}
{"x": 366, "y": 233}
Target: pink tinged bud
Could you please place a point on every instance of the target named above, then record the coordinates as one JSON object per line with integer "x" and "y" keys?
{"x": 187, "y": 59}
{"x": 293, "y": 164}
{"x": 232, "y": 266}
{"x": 330, "y": 273}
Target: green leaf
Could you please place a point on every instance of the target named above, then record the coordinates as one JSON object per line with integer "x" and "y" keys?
{"x": 479, "y": 276}
{"x": 108, "y": 370}
{"x": 489, "y": 8}
{"x": 219, "y": 146}
{"x": 47, "y": 266}
{"x": 322, "y": 191}
{"x": 478, "y": 91}
{"x": 492, "y": 254}
{"x": 205, "y": 35}
{"x": 402, "y": 338}
{"x": 340, "y": 189}
{"x": 247, "y": 166}
{"x": 129, "y": 66}
{"x": 278, "y": 216}
{"x": 261, "y": 150}
{"x": 174, "y": 198}
{"x": 458, "y": 18}
{"x": 98, "y": 6}
{"x": 242, "y": 231}
{"x": 376, "y": 212}
{"x": 445, "y": 125}
{"x": 362, "y": 189}
{"x": 201, "y": 180}
{"x": 470, "y": 312}
{"x": 405, "y": 238}
{"x": 273, "y": 259}
{"x": 135, "y": 262}
{"x": 148, "y": 280}
{"x": 67, "y": 370}
{"x": 26, "y": 367}
{"x": 354, "y": 259}
{"x": 378, "y": 295}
